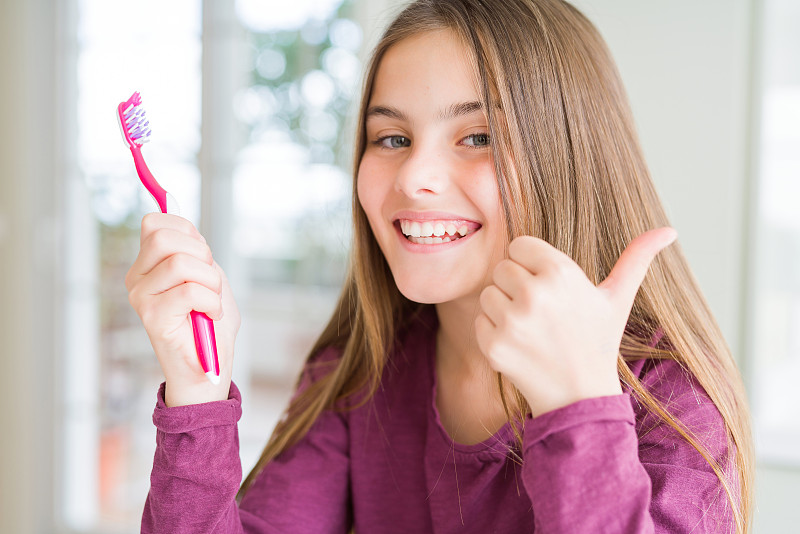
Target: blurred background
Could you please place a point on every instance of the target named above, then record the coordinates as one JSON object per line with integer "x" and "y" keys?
{"x": 252, "y": 110}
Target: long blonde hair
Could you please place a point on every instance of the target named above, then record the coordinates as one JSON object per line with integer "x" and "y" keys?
{"x": 570, "y": 171}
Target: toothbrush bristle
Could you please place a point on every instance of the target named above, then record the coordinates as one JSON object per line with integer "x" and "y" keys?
{"x": 136, "y": 122}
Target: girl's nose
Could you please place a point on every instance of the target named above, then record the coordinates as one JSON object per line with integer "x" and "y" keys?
{"x": 424, "y": 172}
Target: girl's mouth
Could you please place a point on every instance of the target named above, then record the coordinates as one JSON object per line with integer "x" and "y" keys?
{"x": 434, "y": 232}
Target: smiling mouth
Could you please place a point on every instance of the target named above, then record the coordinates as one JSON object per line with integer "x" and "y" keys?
{"x": 435, "y": 232}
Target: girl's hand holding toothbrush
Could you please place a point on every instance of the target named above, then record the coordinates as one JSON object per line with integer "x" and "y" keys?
{"x": 161, "y": 265}
{"x": 174, "y": 274}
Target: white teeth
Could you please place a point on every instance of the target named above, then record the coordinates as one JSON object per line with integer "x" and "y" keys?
{"x": 427, "y": 229}
{"x": 432, "y": 232}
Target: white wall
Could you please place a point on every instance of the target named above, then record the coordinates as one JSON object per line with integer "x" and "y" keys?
{"x": 686, "y": 67}
{"x": 691, "y": 71}
{"x": 14, "y": 458}
{"x": 27, "y": 264}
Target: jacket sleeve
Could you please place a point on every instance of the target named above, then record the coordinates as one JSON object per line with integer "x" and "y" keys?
{"x": 197, "y": 472}
{"x": 606, "y": 465}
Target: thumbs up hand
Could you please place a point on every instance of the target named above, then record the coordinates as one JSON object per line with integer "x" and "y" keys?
{"x": 550, "y": 330}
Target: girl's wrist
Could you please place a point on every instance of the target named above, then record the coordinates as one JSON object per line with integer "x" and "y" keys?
{"x": 200, "y": 392}
{"x": 541, "y": 406}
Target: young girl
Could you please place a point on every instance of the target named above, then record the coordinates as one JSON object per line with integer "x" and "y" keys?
{"x": 518, "y": 346}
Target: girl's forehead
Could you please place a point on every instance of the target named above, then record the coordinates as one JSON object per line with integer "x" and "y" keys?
{"x": 433, "y": 65}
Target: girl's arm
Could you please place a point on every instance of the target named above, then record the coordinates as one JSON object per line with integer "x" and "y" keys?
{"x": 585, "y": 470}
{"x": 197, "y": 472}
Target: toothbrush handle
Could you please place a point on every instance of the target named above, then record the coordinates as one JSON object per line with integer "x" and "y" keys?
{"x": 206, "y": 344}
{"x": 146, "y": 177}
{"x": 205, "y": 340}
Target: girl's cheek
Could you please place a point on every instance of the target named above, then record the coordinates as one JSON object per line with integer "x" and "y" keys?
{"x": 369, "y": 186}
{"x": 362, "y": 187}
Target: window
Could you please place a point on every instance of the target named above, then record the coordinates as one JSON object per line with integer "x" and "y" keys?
{"x": 107, "y": 447}
{"x": 291, "y": 193}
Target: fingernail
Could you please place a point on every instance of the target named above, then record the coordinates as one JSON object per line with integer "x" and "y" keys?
{"x": 673, "y": 235}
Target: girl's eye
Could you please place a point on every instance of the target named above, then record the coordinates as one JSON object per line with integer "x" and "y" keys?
{"x": 478, "y": 140}
{"x": 394, "y": 141}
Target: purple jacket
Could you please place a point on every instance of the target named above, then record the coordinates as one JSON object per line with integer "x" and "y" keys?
{"x": 598, "y": 465}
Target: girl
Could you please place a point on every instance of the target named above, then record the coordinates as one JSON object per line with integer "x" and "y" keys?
{"x": 517, "y": 346}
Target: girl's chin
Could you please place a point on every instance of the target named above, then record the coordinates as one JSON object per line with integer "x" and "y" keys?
{"x": 429, "y": 292}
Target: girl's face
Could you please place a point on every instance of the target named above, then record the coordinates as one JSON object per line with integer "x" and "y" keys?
{"x": 426, "y": 180}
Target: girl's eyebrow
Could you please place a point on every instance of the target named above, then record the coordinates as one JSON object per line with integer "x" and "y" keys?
{"x": 459, "y": 110}
{"x": 453, "y": 111}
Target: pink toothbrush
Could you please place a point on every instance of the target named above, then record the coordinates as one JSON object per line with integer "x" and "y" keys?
{"x": 136, "y": 131}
